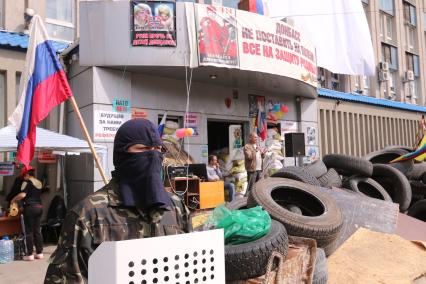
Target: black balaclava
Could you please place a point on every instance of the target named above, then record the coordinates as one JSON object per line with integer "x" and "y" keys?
{"x": 139, "y": 174}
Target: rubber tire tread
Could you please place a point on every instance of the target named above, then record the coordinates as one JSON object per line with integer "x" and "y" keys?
{"x": 397, "y": 184}
{"x": 320, "y": 272}
{"x": 417, "y": 171}
{"x": 250, "y": 260}
{"x": 324, "y": 228}
{"x": 330, "y": 179}
{"x": 386, "y": 155}
{"x": 349, "y": 165}
{"x": 353, "y": 184}
{"x": 297, "y": 173}
{"x": 317, "y": 168}
{"x": 418, "y": 210}
{"x": 237, "y": 203}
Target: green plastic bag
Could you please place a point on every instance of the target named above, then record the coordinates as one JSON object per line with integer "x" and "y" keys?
{"x": 241, "y": 226}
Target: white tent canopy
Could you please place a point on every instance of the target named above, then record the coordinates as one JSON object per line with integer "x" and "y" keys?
{"x": 47, "y": 140}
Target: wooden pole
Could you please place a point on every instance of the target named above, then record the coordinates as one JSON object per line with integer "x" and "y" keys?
{"x": 88, "y": 139}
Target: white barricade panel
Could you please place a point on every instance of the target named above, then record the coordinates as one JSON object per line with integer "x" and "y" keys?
{"x": 179, "y": 259}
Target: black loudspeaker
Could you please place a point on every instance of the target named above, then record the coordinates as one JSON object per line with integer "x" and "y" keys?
{"x": 294, "y": 144}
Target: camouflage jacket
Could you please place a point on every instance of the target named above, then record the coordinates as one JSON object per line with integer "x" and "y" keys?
{"x": 103, "y": 217}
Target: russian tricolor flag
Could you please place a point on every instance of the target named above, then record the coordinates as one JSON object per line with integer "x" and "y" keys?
{"x": 162, "y": 125}
{"x": 43, "y": 86}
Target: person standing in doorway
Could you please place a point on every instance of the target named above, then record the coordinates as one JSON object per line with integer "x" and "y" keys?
{"x": 33, "y": 209}
{"x": 252, "y": 160}
{"x": 214, "y": 174}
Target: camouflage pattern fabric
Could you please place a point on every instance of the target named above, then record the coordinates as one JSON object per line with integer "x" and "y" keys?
{"x": 103, "y": 217}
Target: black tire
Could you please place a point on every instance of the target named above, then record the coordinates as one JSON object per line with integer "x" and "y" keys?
{"x": 317, "y": 168}
{"x": 331, "y": 178}
{"x": 250, "y": 260}
{"x": 349, "y": 165}
{"x": 367, "y": 187}
{"x": 321, "y": 219}
{"x": 320, "y": 272}
{"x": 299, "y": 174}
{"x": 418, "y": 210}
{"x": 395, "y": 183}
{"x": 387, "y": 155}
{"x": 400, "y": 147}
{"x": 237, "y": 204}
{"x": 417, "y": 171}
{"x": 418, "y": 188}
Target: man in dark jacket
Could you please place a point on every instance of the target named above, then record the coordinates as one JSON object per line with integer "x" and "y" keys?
{"x": 132, "y": 205}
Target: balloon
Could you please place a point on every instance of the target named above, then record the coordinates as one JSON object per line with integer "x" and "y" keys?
{"x": 191, "y": 131}
{"x": 278, "y": 114}
{"x": 180, "y": 133}
{"x": 284, "y": 108}
{"x": 276, "y": 107}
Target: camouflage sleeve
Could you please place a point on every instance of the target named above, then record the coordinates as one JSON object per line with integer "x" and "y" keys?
{"x": 69, "y": 262}
{"x": 182, "y": 213}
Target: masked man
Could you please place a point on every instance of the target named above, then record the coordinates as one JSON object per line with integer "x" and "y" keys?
{"x": 132, "y": 205}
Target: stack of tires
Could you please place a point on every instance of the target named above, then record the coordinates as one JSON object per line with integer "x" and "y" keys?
{"x": 370, "y": 176}
{"x": 317, "y": 217}
{"x": 412, "y": 193}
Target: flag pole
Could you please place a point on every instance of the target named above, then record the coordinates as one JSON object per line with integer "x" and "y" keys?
{"x": 88, "y": 139}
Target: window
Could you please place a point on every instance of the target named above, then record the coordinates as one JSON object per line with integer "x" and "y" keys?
{"x": 424, "y": 21}
{"x": 389, "y": 30}
{"x": 362, "y": 85}
{"x": 386, "y": 26}
{"x": 390, "y": 55}
{"x": 2, "y": 99}
{"x": 387, "y": 6}
{"x": 410, "y": 14}
{"x": 413, "y": 64}
{"x": 60, "y": 19}
{"x": 335, "y": 82}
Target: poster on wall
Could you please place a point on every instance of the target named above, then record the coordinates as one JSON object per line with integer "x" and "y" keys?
{"x": 217, "y": 36}
{"x": 311, "y": 155}
{"x": 121, "y": 105}
{"x": 254, "y": 103}
{"x": 153, "y": 23}
{"x": 46, "y": 157}
{"x": 311, "y": 135}
{"x": 192, "y": 121}
{"x": 139, "y": 113}
{"x": 6, "y": 169}
{"x": 106, "y": 124}
{"x": 236, "y": 143}
{"x": 288, "y": 127}
{"x": 239, "y": 39}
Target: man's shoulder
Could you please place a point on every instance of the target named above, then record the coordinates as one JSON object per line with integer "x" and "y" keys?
{"x": 96, "y": 200}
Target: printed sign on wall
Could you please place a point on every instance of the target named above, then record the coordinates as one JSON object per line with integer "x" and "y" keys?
{"x": 121, "y": 105}
{"x": 192, "y": 121}
{"x": 106, "y": 124}
{"x": 153, "y": 23}
{"x": 217, "y": 36}
{"x": 6, "y": 169}
{"x": 46, "y": 157}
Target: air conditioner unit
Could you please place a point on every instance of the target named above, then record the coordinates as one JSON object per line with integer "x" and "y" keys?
{"x": 383, "y": 76}
{"x": 409, "y": 76}
{"x": 384, "y": 66}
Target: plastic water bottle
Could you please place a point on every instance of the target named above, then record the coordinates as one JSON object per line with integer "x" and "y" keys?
{"x": 6, "y": 250}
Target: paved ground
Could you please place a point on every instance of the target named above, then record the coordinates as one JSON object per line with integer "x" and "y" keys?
{"x": 26, "y": 272}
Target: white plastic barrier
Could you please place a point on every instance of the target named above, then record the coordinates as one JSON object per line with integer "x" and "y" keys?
{"x": 178, "y": 259}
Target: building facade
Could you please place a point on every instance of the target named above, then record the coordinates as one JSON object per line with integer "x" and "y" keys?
{"x": 399, "y": 40}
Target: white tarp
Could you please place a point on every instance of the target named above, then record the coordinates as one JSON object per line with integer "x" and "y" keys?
{"x": 47, "y": 140}
{"x": 338, "y": 29}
